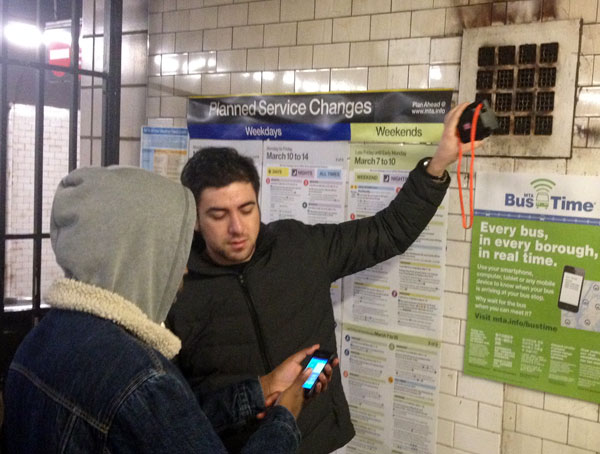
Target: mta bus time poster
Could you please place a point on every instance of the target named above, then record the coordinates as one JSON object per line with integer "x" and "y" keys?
{"x": 534, "y": 287}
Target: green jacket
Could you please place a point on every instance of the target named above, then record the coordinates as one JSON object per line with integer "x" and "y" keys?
{"x": 237, "y": 325}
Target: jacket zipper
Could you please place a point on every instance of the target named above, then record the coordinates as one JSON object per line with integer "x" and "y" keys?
{"x": 257, "y": 330}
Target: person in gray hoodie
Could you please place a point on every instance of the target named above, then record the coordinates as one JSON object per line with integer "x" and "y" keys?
{"x": 95, "y": 376}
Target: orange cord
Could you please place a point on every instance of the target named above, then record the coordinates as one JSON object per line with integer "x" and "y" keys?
{"x": 460, "y": 153}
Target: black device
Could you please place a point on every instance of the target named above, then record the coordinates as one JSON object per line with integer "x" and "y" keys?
{"x": 486, "y": 123}
{"x": 570, "y": 288}
{"x": 317, "y": 362}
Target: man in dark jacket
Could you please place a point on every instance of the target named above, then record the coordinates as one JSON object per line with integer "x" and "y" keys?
{"x": 266, "y": 288}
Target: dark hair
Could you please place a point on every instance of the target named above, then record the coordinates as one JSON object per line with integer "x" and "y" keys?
{"x": 216, "y": 167}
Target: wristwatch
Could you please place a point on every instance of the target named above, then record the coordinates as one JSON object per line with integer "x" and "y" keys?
{"x": 441, "y": 179}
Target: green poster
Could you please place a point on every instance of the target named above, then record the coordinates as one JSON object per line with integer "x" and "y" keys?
{"x": 534, "y": 285}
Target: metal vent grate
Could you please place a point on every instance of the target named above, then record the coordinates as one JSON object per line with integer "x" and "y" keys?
{"x": 519, "y": 91}
{"x": 525, "y": 71}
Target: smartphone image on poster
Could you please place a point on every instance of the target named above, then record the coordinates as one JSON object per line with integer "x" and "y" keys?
{"x": 570, "y": 288}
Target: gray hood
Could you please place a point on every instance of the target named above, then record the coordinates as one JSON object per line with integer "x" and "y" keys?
{"x": 125, "y": 230}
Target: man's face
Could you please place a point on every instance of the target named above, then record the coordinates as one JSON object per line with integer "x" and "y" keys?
{"x": 229, "y": 220}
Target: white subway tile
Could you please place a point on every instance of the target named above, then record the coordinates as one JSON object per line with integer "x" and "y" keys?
{"x": 539, "y": 423}
{"x": 250, "y": 36}
{"x": 160, "y": 86}
{"x": 448, "y": 381}
{"x": 397, "y": 77}
{"x": 299, "y": 57}
{"x": 573, "y": 407}
{"x": 418, "y": 76}
{"x": 580, "y": 133}
{"x": 360, "y": 7}
{"x": 390, "y": 26}
{"x": 445, "y": 431}
{"x": 490, "y": 418}
{"x": 513, "y": 442}
{"x": 176, "y": 21}
{"x": 410, "y": 5}
{"x": 333, "y": 8}
{"x": 173, "y": 106}
{"x": 231, "y": 60}
{"x": 452, "y": 356}
{"x": 190, "y": 85}
{"x": 410, "y": 51}
{"x": 457, "y": 253}
{"x": 218, "y": 39}
{"x": 293, "y": 10}
{"x": 457, "y": 409}
{"x": 476, "y": 440}
{"x": 583, "y": 434}
{"x": 278, "y": 82}
{"x": 216, "y": 84}
{"x": 590, "y": 39}
{"x": 480, "y": 389}
{"x": 331, "y": 55}
{"x": 152, "y": 106}
{"x": 199, "y": 62}
{"x": 154, "y": 23}
{"x": 556, "y": 166}
{"x": 262, "y": 59}
{"x": 349, "y": 79}
{"x": 315, "y": 32}
{"x": 584, "y": 162}
{"x": 232, "y": 15}
{"x": 246, "y": 83}
{"x": 264, "y": 12}
{"x": 551, "y": 447}
{"x": 427, "y": 22}
{"x": 378, "y": 78}
{"x": 444, "y": 76}
{"x": 446, "y": 50}
{"x": 280, "y": 34}
{"x": 371, "y": 53}
{"x": 351, "y": 29}
{"x": 203, "y": 18}
{"x": 312, "y": 81}
{"x": 509, "y": 416}
{"x": 174, "y": 64}
{"x": 451, "y": 330}
{"x": 529, "y": 397}
{"x": 188, "y": 41}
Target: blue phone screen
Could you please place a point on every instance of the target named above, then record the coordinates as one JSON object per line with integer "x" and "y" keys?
{"x": 317, "y": 365}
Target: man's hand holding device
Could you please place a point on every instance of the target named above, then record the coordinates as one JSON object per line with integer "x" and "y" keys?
{"x": 284, "y": 385}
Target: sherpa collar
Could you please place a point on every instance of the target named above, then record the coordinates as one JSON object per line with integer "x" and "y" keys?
{"x": 77, "y": 296}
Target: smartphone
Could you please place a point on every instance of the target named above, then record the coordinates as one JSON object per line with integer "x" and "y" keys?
{"x": 317, "y": 362}
{"x": 570, "y": 288}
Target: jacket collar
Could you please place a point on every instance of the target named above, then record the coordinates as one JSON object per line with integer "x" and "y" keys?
{"x": 199, "y": 262}
{"x": 73, "y": 295}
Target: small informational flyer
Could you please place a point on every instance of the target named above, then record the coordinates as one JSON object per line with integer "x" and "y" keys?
{"x": 304, "y": 181}
{"x": 534, "y": 289}
{"x": 164, "y": 150}
{"x": 403, "y": 293}
{"x": 391, "y": 381}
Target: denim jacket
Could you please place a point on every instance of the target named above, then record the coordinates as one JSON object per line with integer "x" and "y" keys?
{"x": 82, "y": 382}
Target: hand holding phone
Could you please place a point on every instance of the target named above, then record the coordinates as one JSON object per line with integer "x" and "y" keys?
{"x": 317, "y": 363}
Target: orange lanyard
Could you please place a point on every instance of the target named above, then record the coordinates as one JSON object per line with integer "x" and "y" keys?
{"x": 460, "y": 154}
